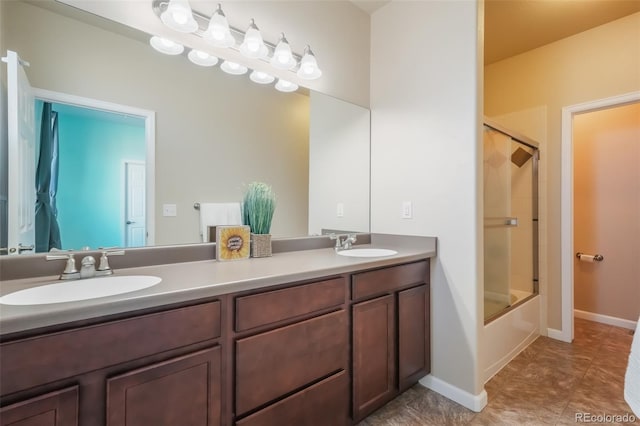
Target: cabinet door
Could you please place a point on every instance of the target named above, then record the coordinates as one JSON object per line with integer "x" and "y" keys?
{"x": 413, "y": 336}
{"x": 373, "y": 355}
{"x": 59, "y": 408}
{"x": 181, "y": 391}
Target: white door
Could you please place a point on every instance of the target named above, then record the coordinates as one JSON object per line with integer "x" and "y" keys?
{"x": 135, "y": 229}
{"x": 21, "y": 195}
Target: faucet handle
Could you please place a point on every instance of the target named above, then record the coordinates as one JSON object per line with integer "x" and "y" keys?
{"x": 104, "y": 259}
{"x": 336, "y": 237}
{"x": 70, "y": 267}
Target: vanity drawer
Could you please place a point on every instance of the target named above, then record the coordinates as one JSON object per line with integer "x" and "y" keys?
{"x": 273, "y": 306}
{"x": 381, "y": 281}
{"x": 28, "y": 362}
{"x": 324, "y": 403}
{"x": 272, "y": 364}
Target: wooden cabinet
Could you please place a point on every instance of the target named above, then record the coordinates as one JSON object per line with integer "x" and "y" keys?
{"x": 327, "y": 352}
{"x": 391, "y": 342}
{"x": 292, "y": 355}
{"x": 58, "y": 408}
{"x": 181, "y": 391}
{"x": 373, "y": 354}
{"x": 160, "y": 368}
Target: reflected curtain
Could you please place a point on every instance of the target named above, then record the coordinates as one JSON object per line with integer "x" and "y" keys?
{"x": 47, "y": 229}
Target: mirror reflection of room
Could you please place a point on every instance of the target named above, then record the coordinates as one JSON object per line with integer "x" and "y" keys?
{"x": 211, "y": 137}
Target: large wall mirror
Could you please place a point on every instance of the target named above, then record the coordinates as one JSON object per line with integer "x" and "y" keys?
{"x": 213, "y": 134}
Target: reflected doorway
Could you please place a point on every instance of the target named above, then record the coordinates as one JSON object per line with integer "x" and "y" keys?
{"x": 106, "y": 172}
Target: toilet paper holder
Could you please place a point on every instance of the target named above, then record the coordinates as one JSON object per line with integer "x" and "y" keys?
{"x": 596, "y": 257}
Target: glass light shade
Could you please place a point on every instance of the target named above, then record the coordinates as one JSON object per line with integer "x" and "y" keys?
{"x": 201, "y": 58}
{"x": 166, "y": 46}
{"x": 309, "y": 66}
{"x": 261, "y": 77}
{"x": 218, "y": 32}
{"x": 282, "y": 57}
{"x": 286, "y": 86}
{"x": 233, "y": 68}
{"x": 253, "y": 46}
{"x": 178, "y": 17}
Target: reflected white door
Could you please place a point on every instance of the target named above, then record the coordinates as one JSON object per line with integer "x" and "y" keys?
{"x": 21, "y": 235}
{"x": 135, "y": 229}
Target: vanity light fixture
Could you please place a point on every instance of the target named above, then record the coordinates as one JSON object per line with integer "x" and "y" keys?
{"x": 179, "y": 17}
{"x": 261, "y": 77}
{"x": 218, "y": 32}
{"x": 166, "y": 46}
{"x": 282, "y": 57}
{"x": 286, "y": 86}
{"x": 201, "y": 58}
{"x": 309, "y": 66}
{"x": 253, "y": 46}
{"x": 177, "y": 14}
{"x": 233, "y": 68}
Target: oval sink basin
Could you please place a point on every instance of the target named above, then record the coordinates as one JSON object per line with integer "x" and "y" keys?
{"x": 71, "y": 291}
{"x": 367, "y": 252}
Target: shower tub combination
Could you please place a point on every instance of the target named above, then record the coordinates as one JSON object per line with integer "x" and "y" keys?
{"x": 511, "y": 305}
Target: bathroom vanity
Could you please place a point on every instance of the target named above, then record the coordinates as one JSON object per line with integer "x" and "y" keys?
{"x": 325, "y": 341}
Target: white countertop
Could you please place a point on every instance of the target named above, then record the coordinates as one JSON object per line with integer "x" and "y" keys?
{"x": 197, "y": 280}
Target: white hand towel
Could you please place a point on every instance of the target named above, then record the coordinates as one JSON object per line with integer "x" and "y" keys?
{"x": 215, "y": 214}
{"x": 632, "y": 378}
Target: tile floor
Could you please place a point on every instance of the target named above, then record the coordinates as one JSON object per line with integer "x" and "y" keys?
{"x": 546, "y": 384}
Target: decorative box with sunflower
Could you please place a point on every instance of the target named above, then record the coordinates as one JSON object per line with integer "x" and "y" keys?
{"x": 232, "y": 242}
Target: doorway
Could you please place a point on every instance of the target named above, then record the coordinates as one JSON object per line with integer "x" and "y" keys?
{"x": 581, "y": 232}
{"x": 95, "y": 201}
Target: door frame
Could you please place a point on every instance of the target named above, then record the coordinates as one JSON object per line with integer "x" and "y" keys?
{"x": 566, "y": 201}
{"x": 149, "y": 118}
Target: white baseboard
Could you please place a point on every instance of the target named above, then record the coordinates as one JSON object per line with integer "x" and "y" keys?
{"x": 472, "y": 402}
{"x": 605, "y": 319}
{"x": 558, "y": 335}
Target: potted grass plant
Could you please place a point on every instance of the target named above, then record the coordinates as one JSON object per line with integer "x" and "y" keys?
{"x": 258, "y": 206}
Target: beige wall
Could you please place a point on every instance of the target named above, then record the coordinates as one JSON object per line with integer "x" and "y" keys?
{"x": 425, "y": 125}
{"x": 606, "y": 167}
{"x": 595, "y": 64}
{"x": 214, "y": 132}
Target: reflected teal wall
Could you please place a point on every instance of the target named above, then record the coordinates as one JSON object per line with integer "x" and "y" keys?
{"x": 93, "y": 148}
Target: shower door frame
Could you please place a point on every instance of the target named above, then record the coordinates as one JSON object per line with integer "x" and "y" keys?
{"x": 514, "y": 136}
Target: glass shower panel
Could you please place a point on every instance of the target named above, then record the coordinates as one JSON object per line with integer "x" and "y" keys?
{"x": 509, "y": 226}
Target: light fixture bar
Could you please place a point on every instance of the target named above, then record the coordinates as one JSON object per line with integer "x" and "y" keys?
{"x": 160, "y": 6}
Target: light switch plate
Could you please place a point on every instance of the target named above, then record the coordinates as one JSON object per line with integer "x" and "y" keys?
{"x": 169, "y": 210}
{"x": 340, "y": 210}
{"x": 407, "y": 210}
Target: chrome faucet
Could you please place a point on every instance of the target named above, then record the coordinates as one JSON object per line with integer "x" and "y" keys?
{"x": 343, "y": 244}
{"x": 88, "y": 265}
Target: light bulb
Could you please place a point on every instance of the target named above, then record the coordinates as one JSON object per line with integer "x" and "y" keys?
{"x": 233, "y": 68}
{"x": 309, "y": 66}
{"x": 201, "y": 58}
{"x": 282, "y": 57}
{"x": 179, "y": 17}
{"x": 261, "y": 77}
{"x": 166, "y": 46}
{"x": 218, "y": 32}
{"x": 253, "y": 46}
{"x": 286, "y": 86}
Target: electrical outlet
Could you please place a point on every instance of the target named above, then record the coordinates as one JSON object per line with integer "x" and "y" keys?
{"x": 169, "y": 210}
{"x": 407, "y": 210}
{"x": 340, "y": 210}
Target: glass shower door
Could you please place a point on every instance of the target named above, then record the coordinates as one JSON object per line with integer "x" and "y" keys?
{"x": 510, "y": 224}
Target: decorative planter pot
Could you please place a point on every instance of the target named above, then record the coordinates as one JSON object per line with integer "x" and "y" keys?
{"x": 260, "y": 245}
